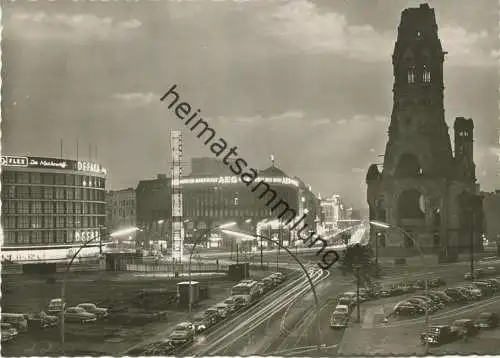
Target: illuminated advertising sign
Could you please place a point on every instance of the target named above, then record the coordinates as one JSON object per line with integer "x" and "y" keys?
{"x": 237, "y": 180}
{"x": 10, "y": 161}
{"x": 84, "y": 166}
{"x": 84, "y": 236}
{"x": 52, "y": 163}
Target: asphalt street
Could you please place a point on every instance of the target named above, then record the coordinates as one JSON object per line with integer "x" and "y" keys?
{"x": 285, "y": 323}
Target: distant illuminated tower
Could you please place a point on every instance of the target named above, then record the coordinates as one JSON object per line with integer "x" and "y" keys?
{"x": 177, "y": 222}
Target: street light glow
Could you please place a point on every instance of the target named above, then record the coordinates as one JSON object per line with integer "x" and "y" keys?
{"x": 223, "y": 226}
{"x": 239, "y": 234}
{"x": 126, "y": 231}
{"x": 380, "y": 224}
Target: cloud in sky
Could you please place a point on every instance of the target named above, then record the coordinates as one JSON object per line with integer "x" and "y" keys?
{"x": 79, "y": 27}
{"x": 301, "y": 24}
{"x": 308, "y": 81}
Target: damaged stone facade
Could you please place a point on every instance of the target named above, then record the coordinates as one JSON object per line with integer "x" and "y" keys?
{"x": 418, "y": 190}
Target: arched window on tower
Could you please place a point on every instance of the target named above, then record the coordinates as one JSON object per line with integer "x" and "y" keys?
{"x": 426, "y": 75}
{"x": 411, "y": 74}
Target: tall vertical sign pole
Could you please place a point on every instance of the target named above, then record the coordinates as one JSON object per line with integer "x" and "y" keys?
{"x": 177, "y": 222}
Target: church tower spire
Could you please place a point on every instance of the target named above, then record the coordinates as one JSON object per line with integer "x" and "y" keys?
{"x": 418, "y": 134}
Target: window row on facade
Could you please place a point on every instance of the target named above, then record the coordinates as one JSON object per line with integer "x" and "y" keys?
{"x": 12, "y": 238}
{"x": 234, "y": 200}
{"x": 22, "y": 207}
{"x": 51, "y": 222}
{"x": 51, "y": 193}
{"x": 243, "y": 213}
{"x": 12, "y": 177}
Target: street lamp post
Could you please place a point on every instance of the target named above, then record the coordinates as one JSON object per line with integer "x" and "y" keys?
{"x": 196, "y": 242}
{"x": 377, "y": 243}
{"x": 358, "y": 306}
{"x": 268, "y": 239}
{"x": 422, "y": 258}
{"x": 66, "y": 271}
{"x": 63, "y": 287}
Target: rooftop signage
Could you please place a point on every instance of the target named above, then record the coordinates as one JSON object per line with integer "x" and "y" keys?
{"x": 237, "y": 180}
{"x": 52, "y": 163}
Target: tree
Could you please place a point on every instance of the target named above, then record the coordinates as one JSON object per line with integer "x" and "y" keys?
{"x": 358, "y": 255}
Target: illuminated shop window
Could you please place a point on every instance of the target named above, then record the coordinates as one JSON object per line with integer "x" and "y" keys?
{"x": 411, "y": 74}
{"x": 426, "y": 75}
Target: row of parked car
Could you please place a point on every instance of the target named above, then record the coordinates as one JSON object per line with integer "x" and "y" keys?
{"x": 459, "y": 329}
{"x": 435, "y": 300}
{"x": 247, "y": 293}
{"x": 431, "y": 301}
{"x": 15, "y": 323}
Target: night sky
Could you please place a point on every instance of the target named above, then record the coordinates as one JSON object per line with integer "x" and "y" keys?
{"x": 308, "y": 81}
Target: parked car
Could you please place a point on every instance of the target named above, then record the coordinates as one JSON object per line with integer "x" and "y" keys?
{"x": 78, "y": 314}
{"x": 494, "y": 282}
{"x": 350, "y": 296}
{"x": 465, "y": 326}
{"x": 223, "y": 309}
{"x": 457, "y": 295}
{"x": 212, "y": 315}
{"x": 436, "y": 300}
{"x": 231, "y": 304}
{"x": 185, "y": 327}
{"x": 434, "y": 303}
{"x": 474, "y": 291}
{"x": 201, "y": 322}
{"x": 485, "y": 289}
{"x": 408, "y": 309}
{"x": 344, "y": 309}
{"x": 41, "y": 320}
{"x": 438, "y": 334}
{"x": 179, "y": 338}
{"x": 346, "y": 301}
{"x": 241, "y": 301}
{"x": 16, "y": 320}
{"x": 488, "y": 286}
{"x": 260, "y": 288}
{"x": 56, "y": 306}
{"x": 268, "y": 284}
{"x": 443, "y": 296}
{"x": 277, "y": 278}
{"x": 385, "y": 292}
{"x": 8, "y": 332}
{"x": 339, "y": 320}
{"x": 425, "y": 304}
{"x": 281, "y": 275}
{"x": 92, "y": 308}
{"x": 487, "y": 320}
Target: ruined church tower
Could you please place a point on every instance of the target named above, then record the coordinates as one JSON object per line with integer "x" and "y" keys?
{"x": 416, "y": 191}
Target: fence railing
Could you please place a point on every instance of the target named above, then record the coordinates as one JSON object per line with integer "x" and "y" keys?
{"x": 179, "y": 268}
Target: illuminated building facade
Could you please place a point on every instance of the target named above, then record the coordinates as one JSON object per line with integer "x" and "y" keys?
{"x": 50, "y": 206}
{"x": 213, "y": 195}
{"x": 120, "y": 208}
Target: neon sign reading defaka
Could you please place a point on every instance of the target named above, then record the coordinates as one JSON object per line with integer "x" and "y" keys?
{"x": 237, "y": 180}
{"x": 90, "y": 167}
